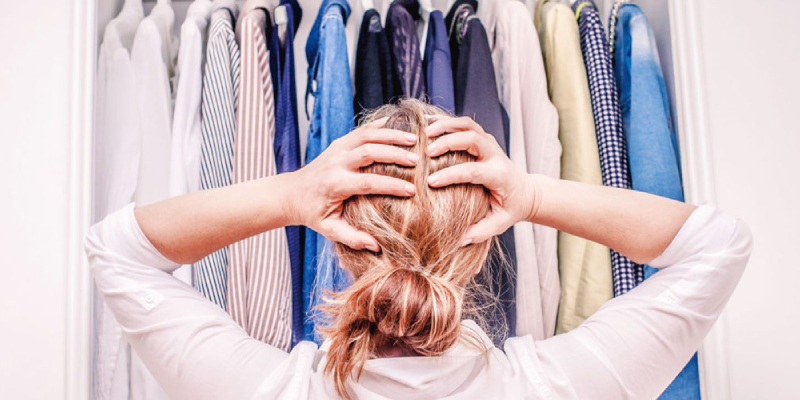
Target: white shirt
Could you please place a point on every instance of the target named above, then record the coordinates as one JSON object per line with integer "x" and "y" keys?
{"x": 631, "y": 348}
{"x": 117, "y": 151}
{"x": 535, "y": 148}
{"x": 153, "y": 58}
{"x": 186, "y": 135}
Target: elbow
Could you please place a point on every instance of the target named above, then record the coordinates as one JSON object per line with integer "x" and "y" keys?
{"x": 740, "y": 246}
{"x": 92, "y": 246}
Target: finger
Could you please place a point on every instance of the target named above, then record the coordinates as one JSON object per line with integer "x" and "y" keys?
{"x": 492, "y": 225}
{"x": 381, "y": 153}
{"x": 338, "y": 230}
{"x": 378, "y": 123}
{"x": 468, "y": 172}
{"x": 365, "y": 183}
{"x": 469, "y": 141}
{"x": 451, "y": 124}
{"x": 431, "y": 118}
{"x": 383, "y": 136}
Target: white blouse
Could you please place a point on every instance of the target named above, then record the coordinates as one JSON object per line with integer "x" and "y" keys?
{"x": 631, "y": 348}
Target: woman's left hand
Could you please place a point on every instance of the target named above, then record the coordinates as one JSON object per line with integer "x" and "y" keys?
{"x": 325, "y": 183}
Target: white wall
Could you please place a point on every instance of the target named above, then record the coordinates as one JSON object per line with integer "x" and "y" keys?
{"x": 752, "y": 56}
{"x": 34, "y": 126}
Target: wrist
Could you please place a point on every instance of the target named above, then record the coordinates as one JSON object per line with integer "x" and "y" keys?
{"x": 285, "y": 186}
{"x": 536, "y": 184}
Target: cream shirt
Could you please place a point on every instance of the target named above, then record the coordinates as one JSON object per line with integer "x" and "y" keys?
{"x": 631, "y": 348}
{"x": 584, "y": 266}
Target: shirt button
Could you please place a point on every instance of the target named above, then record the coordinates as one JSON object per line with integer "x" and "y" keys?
{"x": 149, "y": 298}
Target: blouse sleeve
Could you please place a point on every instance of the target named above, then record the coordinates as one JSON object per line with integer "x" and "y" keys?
{"x": 637, "y": 343}
{"x": 190, "y": 345}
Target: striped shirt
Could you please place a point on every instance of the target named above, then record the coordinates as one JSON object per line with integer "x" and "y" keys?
{"x": 218, "y": 124}
{"x": 259, "y": 279}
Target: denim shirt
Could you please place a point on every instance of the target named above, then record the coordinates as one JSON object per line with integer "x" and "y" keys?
{"x": 329, "y": 83}
{"x": 652, "y": 144}
{"x": 653, "y": 151}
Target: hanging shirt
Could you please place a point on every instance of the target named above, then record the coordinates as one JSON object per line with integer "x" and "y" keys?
{"x": 652, "y": 144}
{"x": 584, "y": 266}
{"x": 186, "y": 133}
{"x": 186, "y": 136}
{"x": 329, "y": 83}
{"x": 287, "y": 144}
{"x": 374, "y": 77}
{"x": 475, "y": 95}
{"x": 631, "y": 348}
{"x": 405, "y": 47}
{"x": 607, "y": 121}
{"x": 153, "y": 56}
{"x": 259, "y": 276}
{"x": 437, "y": 64}
{"x": 116, "y": 154}
{"x": 535, "y": 148}
{"x": 217, "y": 125}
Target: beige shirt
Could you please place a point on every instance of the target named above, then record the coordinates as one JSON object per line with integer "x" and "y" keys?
{"x": 535, "y": 148}
{"x": 631, "y": 348}
{"x": 584, "y": 266}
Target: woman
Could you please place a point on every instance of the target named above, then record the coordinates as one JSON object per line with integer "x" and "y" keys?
{"x": 412, "y": 199}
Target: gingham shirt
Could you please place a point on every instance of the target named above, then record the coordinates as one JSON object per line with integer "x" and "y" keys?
{"x": 608, "y": 126}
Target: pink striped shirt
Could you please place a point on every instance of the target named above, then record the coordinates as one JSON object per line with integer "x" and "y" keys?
{"x": 259, "y": 281}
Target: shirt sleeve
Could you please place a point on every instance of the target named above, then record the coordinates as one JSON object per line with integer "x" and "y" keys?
{"x": 190, "y": 345}
{"x": 637, "y": 343}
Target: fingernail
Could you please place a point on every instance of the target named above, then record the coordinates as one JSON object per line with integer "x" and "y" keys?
{"x": 431, "y": 148}
{"x": 433, "y": 179}
{"x": 373, "y": 247}
{"x": 409, "y": 188}
{"x": 413, "y": 157}
{"x": 466, "y": 242}
{"x": 410, "y": 137}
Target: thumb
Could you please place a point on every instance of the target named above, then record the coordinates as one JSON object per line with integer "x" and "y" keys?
{"x": 492, "y": 225}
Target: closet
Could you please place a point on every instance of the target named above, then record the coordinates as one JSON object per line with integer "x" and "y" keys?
{"x": 675, "y": 24}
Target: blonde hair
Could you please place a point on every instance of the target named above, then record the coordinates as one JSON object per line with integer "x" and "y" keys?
{"x": 414, "y": 293}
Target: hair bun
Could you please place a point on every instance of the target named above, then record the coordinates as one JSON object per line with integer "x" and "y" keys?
{"x": 412, "y": 294}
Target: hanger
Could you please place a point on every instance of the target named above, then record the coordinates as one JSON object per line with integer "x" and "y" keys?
{"x": 280, "y": 15}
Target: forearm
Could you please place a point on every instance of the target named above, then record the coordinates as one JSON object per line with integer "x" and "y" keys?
{"x": 636, "y": 224}
{"x": 187, "y": 228}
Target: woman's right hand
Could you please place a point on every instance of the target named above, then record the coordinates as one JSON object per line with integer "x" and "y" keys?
{"x": 514, "y": 192}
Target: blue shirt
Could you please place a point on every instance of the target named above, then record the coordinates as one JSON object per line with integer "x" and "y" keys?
{"x": 329, "y": 83}
{"x": 653, "y": 150}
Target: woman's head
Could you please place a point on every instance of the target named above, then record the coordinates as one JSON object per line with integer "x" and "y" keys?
{"x": 413, "y": 294}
